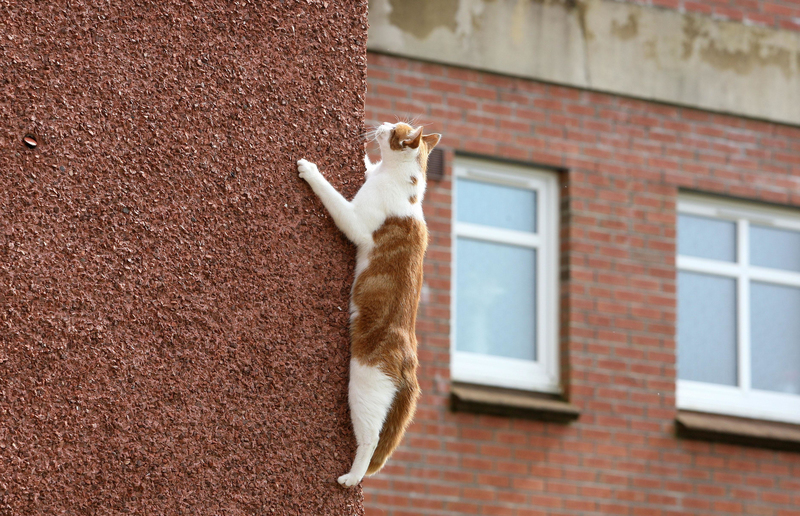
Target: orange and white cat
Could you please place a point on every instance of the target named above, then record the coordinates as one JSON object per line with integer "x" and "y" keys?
{"x": 384, "y": 220}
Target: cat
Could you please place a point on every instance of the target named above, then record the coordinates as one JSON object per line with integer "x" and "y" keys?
{"x": 385, "y": 222}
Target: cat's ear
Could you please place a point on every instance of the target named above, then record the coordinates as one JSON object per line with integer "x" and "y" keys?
{"x": 413, "y": 138}
{"x": 431, "y": 140}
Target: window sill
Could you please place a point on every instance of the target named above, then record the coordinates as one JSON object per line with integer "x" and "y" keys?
{"x": 509, "y": 402}
{"x": 736, "y": 430}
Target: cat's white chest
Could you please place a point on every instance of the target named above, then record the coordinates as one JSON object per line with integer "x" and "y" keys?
{"x": 383, "y": 195}
{"x": 388, "y": 195}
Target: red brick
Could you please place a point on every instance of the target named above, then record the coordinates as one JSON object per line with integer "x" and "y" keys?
{"x": 528, "y": 484}
{"x": 625, "y": 161}
{"x": 442, "y": 490}
{"x": 463, "y": 508}
{"x": 478, "y": 494}
{"x": 546, "y": 501}
{"x": 445, "y": 86}
{"x": 481, "y": 92}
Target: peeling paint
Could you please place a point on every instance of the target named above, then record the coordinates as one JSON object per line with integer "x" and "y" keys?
{"x": 627, "y": 30}
{"x": 691, "y": 31}
{"x": 582, "y": 10}
{"x": 744, "y": 62}
{"x": 735, "y": 50}
{"x": 650, "y": 48}
{"x": 518, "y": 21}
{"x": 422, "y": 17}
{"x": 469, "y": 16}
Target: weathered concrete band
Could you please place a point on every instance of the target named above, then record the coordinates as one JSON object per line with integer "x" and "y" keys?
{"x": 620, "y": 48}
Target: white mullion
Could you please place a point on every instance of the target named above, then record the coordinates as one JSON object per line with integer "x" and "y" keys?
{"x": 453, "y": 276}
{"x": 704, "y": 265}
{"x": 540, "y": 290}
{"x": 691, "y": 208}
{"x": 775, "y": 276}
{"x": 699, "y": 204}
{"x": 717, "y": 268}
{"x": 496, "y": 173}
{"x": 502, "y": 179}
{"x": 743, "y": 304}
{"x": 729, "y": 400}
{"x": 497, "y": 235}
{"x": 548, "y": 281}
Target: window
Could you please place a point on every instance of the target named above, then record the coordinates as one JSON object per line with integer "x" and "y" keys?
{"x": 738, "y": 309}
{"x": 505, "y": 276}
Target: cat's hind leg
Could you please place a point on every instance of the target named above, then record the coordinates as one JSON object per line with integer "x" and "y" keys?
{"x": 371, "y": 394}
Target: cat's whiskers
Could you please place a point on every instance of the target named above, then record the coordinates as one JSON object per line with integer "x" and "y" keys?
{"x": 368, "y": 135}
{"x": 412, "y": 122}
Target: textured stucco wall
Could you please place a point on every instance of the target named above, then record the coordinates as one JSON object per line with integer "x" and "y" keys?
{"x": 173, "y": 300}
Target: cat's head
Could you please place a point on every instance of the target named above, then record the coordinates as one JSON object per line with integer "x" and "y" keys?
{"x": 402, "y": 141}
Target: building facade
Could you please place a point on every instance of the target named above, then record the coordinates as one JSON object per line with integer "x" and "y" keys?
{"x": 609, "y": 319}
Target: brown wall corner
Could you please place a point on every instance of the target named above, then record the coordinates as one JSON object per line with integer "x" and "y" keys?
{"x": 173, "y": 299}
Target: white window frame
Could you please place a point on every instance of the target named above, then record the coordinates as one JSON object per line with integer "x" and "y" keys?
{"x": 541, "y": 375}
{"x": 741, "y": 400}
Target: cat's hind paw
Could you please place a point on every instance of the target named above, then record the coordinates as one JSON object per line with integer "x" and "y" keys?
{"x": 306, "y": 169}
{"x": 349, "y": 480}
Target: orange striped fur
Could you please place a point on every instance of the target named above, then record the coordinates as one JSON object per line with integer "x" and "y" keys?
{"x": 387, "y": 294}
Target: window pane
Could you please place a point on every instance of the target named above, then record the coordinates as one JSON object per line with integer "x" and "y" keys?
{"x": 776, "y": 248}
{"x": 706, "y": 328}
{"x": 775, "y": 337}
{"x": 496, "y": 205}
{"x": 706, "y": 238}
{"x": 495, "y": 299}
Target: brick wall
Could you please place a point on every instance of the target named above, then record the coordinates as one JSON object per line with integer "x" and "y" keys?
{"x": 621, "y": 164}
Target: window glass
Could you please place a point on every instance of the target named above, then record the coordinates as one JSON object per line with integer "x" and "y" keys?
{"x": 706, "y": 238}
{"x": 707, "y": 328}
{"x": 495, "y": 299}
{"x": 738, "y": 355}
{"x": 775, "y": 337}
{"x": 496, "y": 205}
{"x": 776, "y": 248}
{"x": 505, "y": 285}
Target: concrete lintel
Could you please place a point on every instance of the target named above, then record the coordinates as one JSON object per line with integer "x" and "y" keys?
{"x": 603, "y": 45}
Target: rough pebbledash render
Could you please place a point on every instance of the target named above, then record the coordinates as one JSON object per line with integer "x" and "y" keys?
{"x": 173, "y": 300}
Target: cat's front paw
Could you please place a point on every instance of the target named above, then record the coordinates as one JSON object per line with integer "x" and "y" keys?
{"x": 349, "y": 480}
{"x": 306, "y": 169}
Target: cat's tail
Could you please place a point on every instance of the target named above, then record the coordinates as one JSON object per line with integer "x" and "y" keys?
{"x": 397, "y": 420}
